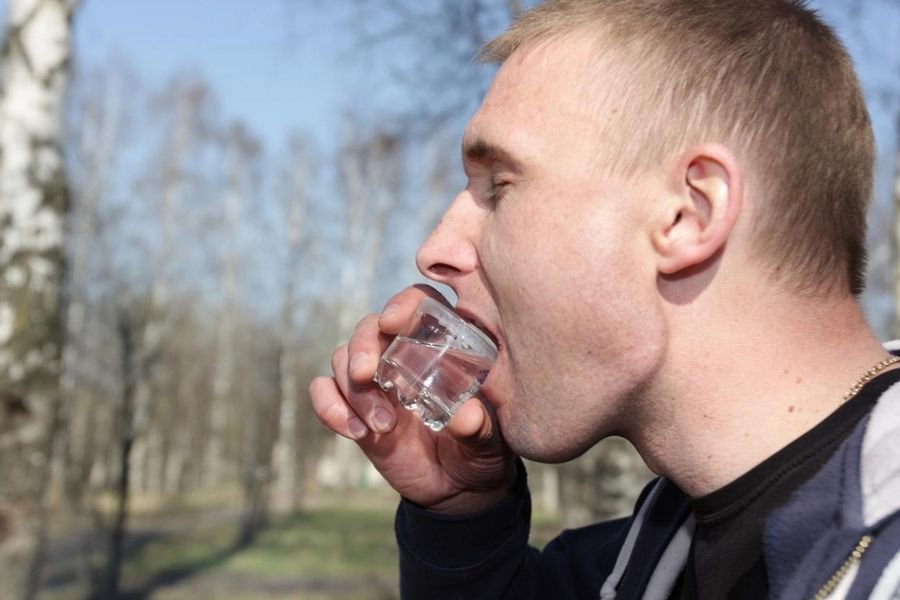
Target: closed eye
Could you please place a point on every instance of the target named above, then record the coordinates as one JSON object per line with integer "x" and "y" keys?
{"x": 498, "y": 191}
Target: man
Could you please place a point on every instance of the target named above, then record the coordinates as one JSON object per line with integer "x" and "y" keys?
{"x": 663, "y": 230}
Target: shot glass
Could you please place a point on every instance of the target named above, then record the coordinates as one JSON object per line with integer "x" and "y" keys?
{"x": 437, "y": 362}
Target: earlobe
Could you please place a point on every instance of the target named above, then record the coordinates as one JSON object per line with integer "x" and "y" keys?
{"x": 702, "y": 209}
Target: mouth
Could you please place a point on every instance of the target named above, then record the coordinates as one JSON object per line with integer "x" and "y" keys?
{"x": 478, "y": 323}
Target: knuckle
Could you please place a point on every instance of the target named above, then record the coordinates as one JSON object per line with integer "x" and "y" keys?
{"x": 365, "y": 321}
{"x": 365, "y": 327}
{"x": 338, "y": 354}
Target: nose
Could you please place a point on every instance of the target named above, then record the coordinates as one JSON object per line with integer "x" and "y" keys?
{"x": 450, "y": 252}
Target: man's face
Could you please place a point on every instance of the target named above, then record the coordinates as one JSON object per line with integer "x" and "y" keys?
{"x": 550, "y": 253}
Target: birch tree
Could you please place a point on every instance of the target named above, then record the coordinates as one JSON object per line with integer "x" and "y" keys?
{"x": 185, "y": 102}
{"x": 371, "y": 170}
{"x": 242, "y": 151}
{"x": 96, "y": 141}
{"x": 372, "y": 174}
{"x": 288, "y": 475}
{"x": 97, "y": 117}
{"x": 258, "y": 412}
{"x": 36, "y": 58}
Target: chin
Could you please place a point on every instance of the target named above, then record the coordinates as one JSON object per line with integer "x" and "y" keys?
{"x": 551, "y": 442}
{"x": 558, "y": 449}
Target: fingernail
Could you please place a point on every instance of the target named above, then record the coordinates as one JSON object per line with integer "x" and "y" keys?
{"x": 359, "y": 361}
{"x": 382, "y": 420}
{"x": 389, "y": 310}
{"x": 358, "y": 429}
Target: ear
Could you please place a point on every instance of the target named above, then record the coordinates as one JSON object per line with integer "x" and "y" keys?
{"x": 701, "y": 208}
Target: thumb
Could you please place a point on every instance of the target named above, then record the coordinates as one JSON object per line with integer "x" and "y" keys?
{"x": 475, "y": 423}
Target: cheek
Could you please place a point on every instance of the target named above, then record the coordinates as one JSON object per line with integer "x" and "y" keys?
{"x": 523, "y": 245}
{"x": 558, "y": 267}
{"x": 567, "y": 287}
{"x": 544, "y": 304}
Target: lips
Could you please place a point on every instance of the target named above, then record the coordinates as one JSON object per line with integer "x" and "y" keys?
{"x": 474, "y": 320}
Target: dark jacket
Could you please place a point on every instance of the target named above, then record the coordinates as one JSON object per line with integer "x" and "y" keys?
{"x": 851, "y": 505}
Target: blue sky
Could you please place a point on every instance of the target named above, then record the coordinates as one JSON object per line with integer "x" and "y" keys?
{"x": 274, "y": 63}
{"x": 283, "y": 64}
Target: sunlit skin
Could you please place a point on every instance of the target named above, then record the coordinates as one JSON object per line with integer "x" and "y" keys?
{"x": 550, "y": 253}
{"x": 633, "y": 306}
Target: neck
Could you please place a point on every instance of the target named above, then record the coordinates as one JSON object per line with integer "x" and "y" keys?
{"x": 747, "y": 387}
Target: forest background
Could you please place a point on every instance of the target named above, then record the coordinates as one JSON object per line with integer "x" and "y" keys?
{"x": 210, "y": 196}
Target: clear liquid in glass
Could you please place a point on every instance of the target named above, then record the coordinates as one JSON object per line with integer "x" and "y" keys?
{"x": 430, "y": 379}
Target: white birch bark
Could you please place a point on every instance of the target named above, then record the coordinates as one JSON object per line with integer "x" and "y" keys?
{"x": 33, "y": 194}
{"x": 33, "y": 202}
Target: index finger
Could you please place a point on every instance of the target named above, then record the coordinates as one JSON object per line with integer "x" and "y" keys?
{"x": 364, "y": 347}
{"x": 374, "y": 332}
{"x": 401, "y": 307}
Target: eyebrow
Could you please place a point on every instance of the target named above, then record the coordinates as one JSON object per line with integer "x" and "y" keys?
{"x": 480, "y": 150}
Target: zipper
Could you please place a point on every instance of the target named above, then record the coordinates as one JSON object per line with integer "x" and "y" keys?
{"x": 861, "y": 546}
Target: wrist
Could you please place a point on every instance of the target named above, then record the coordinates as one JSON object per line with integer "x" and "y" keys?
{"x": 469, "y": 502}
{"x": 453, "y": 541}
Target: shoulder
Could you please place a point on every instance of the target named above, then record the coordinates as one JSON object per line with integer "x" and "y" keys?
{"x": 844, "y": 523}
{"x": 879, "y": 480}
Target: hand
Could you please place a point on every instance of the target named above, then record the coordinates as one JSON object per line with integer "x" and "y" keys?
{"x": 462, "y": 469}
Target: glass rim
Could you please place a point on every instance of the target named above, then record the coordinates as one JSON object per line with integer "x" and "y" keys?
{"x": 461, "y": 326}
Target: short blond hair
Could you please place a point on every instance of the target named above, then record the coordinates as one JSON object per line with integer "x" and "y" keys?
{"x": 766, "y": 77}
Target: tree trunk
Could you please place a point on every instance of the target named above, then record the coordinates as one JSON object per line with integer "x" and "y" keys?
{"x": 181, "y": 137}
{"x": 126, "y": 434}
{"x": 99, "y": 124}
{"x": 285, "y": 455}
{"x": 254, "y": 481}
{"x": 287, "y": 469}
{"x": 33, "y": 203}
{"x": 242, "y": 148}
{"x": 371, "y": 171}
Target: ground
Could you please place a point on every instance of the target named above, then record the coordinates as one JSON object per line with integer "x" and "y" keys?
{"x": 334, "y": 550}
{"x": 340, "y": 548}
